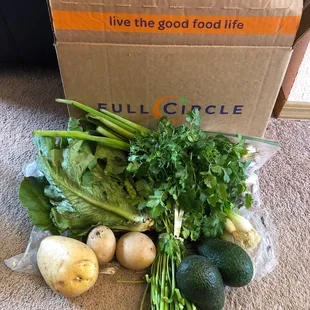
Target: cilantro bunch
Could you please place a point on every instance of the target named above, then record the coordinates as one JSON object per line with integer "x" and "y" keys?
{"x": 195, "y": 177}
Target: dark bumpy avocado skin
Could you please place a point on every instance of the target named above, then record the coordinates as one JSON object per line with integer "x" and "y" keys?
{"x": 201, "y": 282}
{"x": 233, "y": 262}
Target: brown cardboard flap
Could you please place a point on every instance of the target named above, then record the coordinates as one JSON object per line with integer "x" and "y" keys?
{"x": 304, "y": 25}
{"x": 198, "y": 22}
{"x": 280, "y": 102}
{"x": 295, "y": 62}
{"x": 185, "y": 4}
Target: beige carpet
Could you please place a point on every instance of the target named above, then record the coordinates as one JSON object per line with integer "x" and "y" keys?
{"x": 27, "y": 103}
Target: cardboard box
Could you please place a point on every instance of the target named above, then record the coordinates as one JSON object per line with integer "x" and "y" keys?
{"x": 293, "y": 101}
{"x": 146, "y": 59}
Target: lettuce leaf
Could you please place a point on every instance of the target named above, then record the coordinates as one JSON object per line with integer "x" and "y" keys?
{"x": 82, "y": 189}
{"x": 31, "y": 194}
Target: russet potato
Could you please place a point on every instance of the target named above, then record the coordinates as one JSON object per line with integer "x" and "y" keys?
{"x": 102, "y": 240}
{"x": 135, "y": 251}
{"x": 69, "y": 267}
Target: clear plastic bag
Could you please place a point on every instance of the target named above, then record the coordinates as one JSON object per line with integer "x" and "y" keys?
{"x": 27, "y": 262}
{"x": 263, "y": 256}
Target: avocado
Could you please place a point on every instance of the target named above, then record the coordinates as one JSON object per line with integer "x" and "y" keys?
{"x": 200, "y": 281}
{"x": 233, "y": 262}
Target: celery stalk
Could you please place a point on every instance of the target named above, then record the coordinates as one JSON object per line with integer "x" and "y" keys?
{"x": 126, "y": 121}
{"x": 111, "y": 117}
{"x": 113, "y": 143}
{"x": 107, "y": 133}
{"x": 121, "y": 131}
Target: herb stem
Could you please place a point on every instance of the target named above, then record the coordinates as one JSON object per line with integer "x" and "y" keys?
{"x": 173, "y": 277}
{"x": 163, "y": 283}
{"x": 178, "y": 218}
{"x": 143, "y": 297}
{"x": 131, "y": 281}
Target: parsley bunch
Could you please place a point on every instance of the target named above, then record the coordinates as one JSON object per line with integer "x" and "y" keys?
{"x": 195, "y": 177}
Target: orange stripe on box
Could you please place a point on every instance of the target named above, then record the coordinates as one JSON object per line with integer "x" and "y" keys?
{"x": 173, "y": 24}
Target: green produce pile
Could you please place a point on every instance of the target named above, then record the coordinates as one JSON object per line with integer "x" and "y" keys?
{"x": 182, "y": 183}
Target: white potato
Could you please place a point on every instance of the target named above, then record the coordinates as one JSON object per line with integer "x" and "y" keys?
{"x": 135, "y": 251}
{"x": 102, "y": 240}
{"x": 69, "y": 267}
